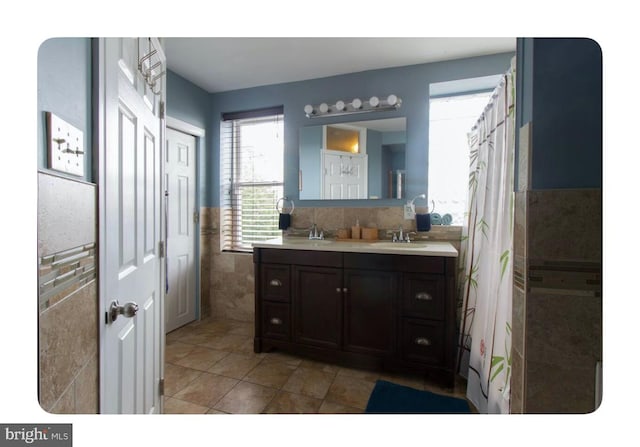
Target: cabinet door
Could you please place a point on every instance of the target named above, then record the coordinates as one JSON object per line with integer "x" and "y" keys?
{"x": 370, "y": 311}
{"x": 317, "y": 306}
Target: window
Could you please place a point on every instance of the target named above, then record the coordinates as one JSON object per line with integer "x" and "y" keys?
{"x": 450, "y": 119}
{"x": 252, "y": 171}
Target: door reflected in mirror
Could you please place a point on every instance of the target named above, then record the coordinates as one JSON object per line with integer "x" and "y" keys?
{"x": 354, "y": 160}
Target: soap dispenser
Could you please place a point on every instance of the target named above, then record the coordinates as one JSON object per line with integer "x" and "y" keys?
{"x": 355, "y": 230}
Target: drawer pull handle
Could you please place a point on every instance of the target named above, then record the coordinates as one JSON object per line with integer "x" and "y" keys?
{"x": 275, "y": 283}
{"x": 423, "y": 296}
{"x": 422, "y": 341}
{"x": 276, "y": 321}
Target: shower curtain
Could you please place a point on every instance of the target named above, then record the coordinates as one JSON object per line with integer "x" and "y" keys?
{"x": 485, "y": 281}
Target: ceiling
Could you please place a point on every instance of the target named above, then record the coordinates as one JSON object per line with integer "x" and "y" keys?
{"x": 223, "y": 64}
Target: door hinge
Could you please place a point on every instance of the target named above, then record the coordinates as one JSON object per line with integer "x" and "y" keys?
{"x": 196, "y": 217}
{"x": 161, "y": 250}
{"x": 161, "y": 387}
{"x": 162, "y": 110}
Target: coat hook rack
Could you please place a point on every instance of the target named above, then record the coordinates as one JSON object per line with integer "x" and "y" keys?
{"x": 148, "y": 71}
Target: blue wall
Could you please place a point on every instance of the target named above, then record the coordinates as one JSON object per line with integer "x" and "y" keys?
{"x": 65, "y": 89}
{"x": 186, "y": 101}
{"x": 310, "y": 141}
{"x": 560, "y": 92}
{"x": 411, "y": 83}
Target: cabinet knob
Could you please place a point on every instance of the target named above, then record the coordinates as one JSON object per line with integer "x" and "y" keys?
{"x": 275, "y": 283}
{"x": 345, "y": 290}
{"x": 423, "y": 296}
{"x": 338, "y": 289}
{"x": 276, "y": 321}
{"x": 422, "y": 341}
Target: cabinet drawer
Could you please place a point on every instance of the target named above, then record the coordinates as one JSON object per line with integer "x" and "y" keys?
{"x": 275, "y": 282}
{"x": 298, "y": 257}
{"x": 394, "y": 263}
{"x": 423, "y": 296}
{"x": 422, "y": 341}
{"x": 276, "y": 320}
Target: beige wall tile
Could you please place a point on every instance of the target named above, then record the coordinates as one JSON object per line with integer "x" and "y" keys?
{"x": 68, "y": 340}
{"x": 524, "y": 158}
{"x": 65, "y": 404}
{"x": 66, "y": 213}
{"x": 565, "y": 225}
{"x": 563, "y": 329}
{"x": 518, "y": 315}
{"x": 520, "y": 224}
{"x": 303, "y": 218}
{"x": 554, "y": 389}
{"x": 517, "y": 383}
{"x": 87, "y": 388}
{"x": 329, "y": 219}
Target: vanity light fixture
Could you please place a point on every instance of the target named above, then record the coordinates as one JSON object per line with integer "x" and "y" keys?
{"x": 308, "y": 109}
{"x": 374, "y": 104}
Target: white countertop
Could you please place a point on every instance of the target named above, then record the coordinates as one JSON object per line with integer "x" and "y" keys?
{"x": 418, "y": 248}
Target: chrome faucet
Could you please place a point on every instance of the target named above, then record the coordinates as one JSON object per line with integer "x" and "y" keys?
{"x": 313, "y": 233}
{"x": 401, "y": 236}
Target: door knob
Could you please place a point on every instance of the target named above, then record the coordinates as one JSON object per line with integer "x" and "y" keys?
{"x": 128, "y": 310}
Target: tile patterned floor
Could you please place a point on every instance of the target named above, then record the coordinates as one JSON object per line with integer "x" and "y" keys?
{"x": 211, "y": 368}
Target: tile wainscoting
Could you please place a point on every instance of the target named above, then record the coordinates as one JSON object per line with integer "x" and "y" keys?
{"x": 557, "y": 301}
{"x": 68, "y": 296}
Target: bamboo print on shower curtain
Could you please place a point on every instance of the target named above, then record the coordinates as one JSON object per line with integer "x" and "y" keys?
{"x": 485, "y": 282}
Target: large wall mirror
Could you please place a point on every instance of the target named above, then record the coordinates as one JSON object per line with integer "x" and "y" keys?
{"x": 354, "y": 160}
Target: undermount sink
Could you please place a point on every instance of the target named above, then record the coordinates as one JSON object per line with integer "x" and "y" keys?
{"x": 401, "y": 245}
{"x": 302, "y": 241}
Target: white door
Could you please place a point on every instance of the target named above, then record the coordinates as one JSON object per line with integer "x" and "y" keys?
{"x": 180, "y": 300}
{"x": 344, "y": 176}
{"x": 130, "y": 228}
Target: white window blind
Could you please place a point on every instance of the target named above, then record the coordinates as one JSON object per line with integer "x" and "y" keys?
{"x": 252, "y": 171}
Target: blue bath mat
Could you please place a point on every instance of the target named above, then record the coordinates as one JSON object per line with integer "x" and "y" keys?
{"x": 388, "y": 397}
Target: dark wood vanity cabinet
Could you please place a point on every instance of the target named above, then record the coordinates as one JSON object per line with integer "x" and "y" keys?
{"x": 389, "y": 312}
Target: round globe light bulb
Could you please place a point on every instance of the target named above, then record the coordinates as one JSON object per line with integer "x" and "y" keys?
{"x": 392, "y": 100}
{"x": 324, "y": 107}
{"x": 356, "y": 103}
{"x": 308, "y": 109}
{"x": 340, "y": 106}
{"x": 374, "y": 101}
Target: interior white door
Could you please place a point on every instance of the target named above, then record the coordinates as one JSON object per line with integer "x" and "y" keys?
{"x": 131, "y": 210}
{"x": 344, "y": 176}
{"x": 180, "y": 301}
